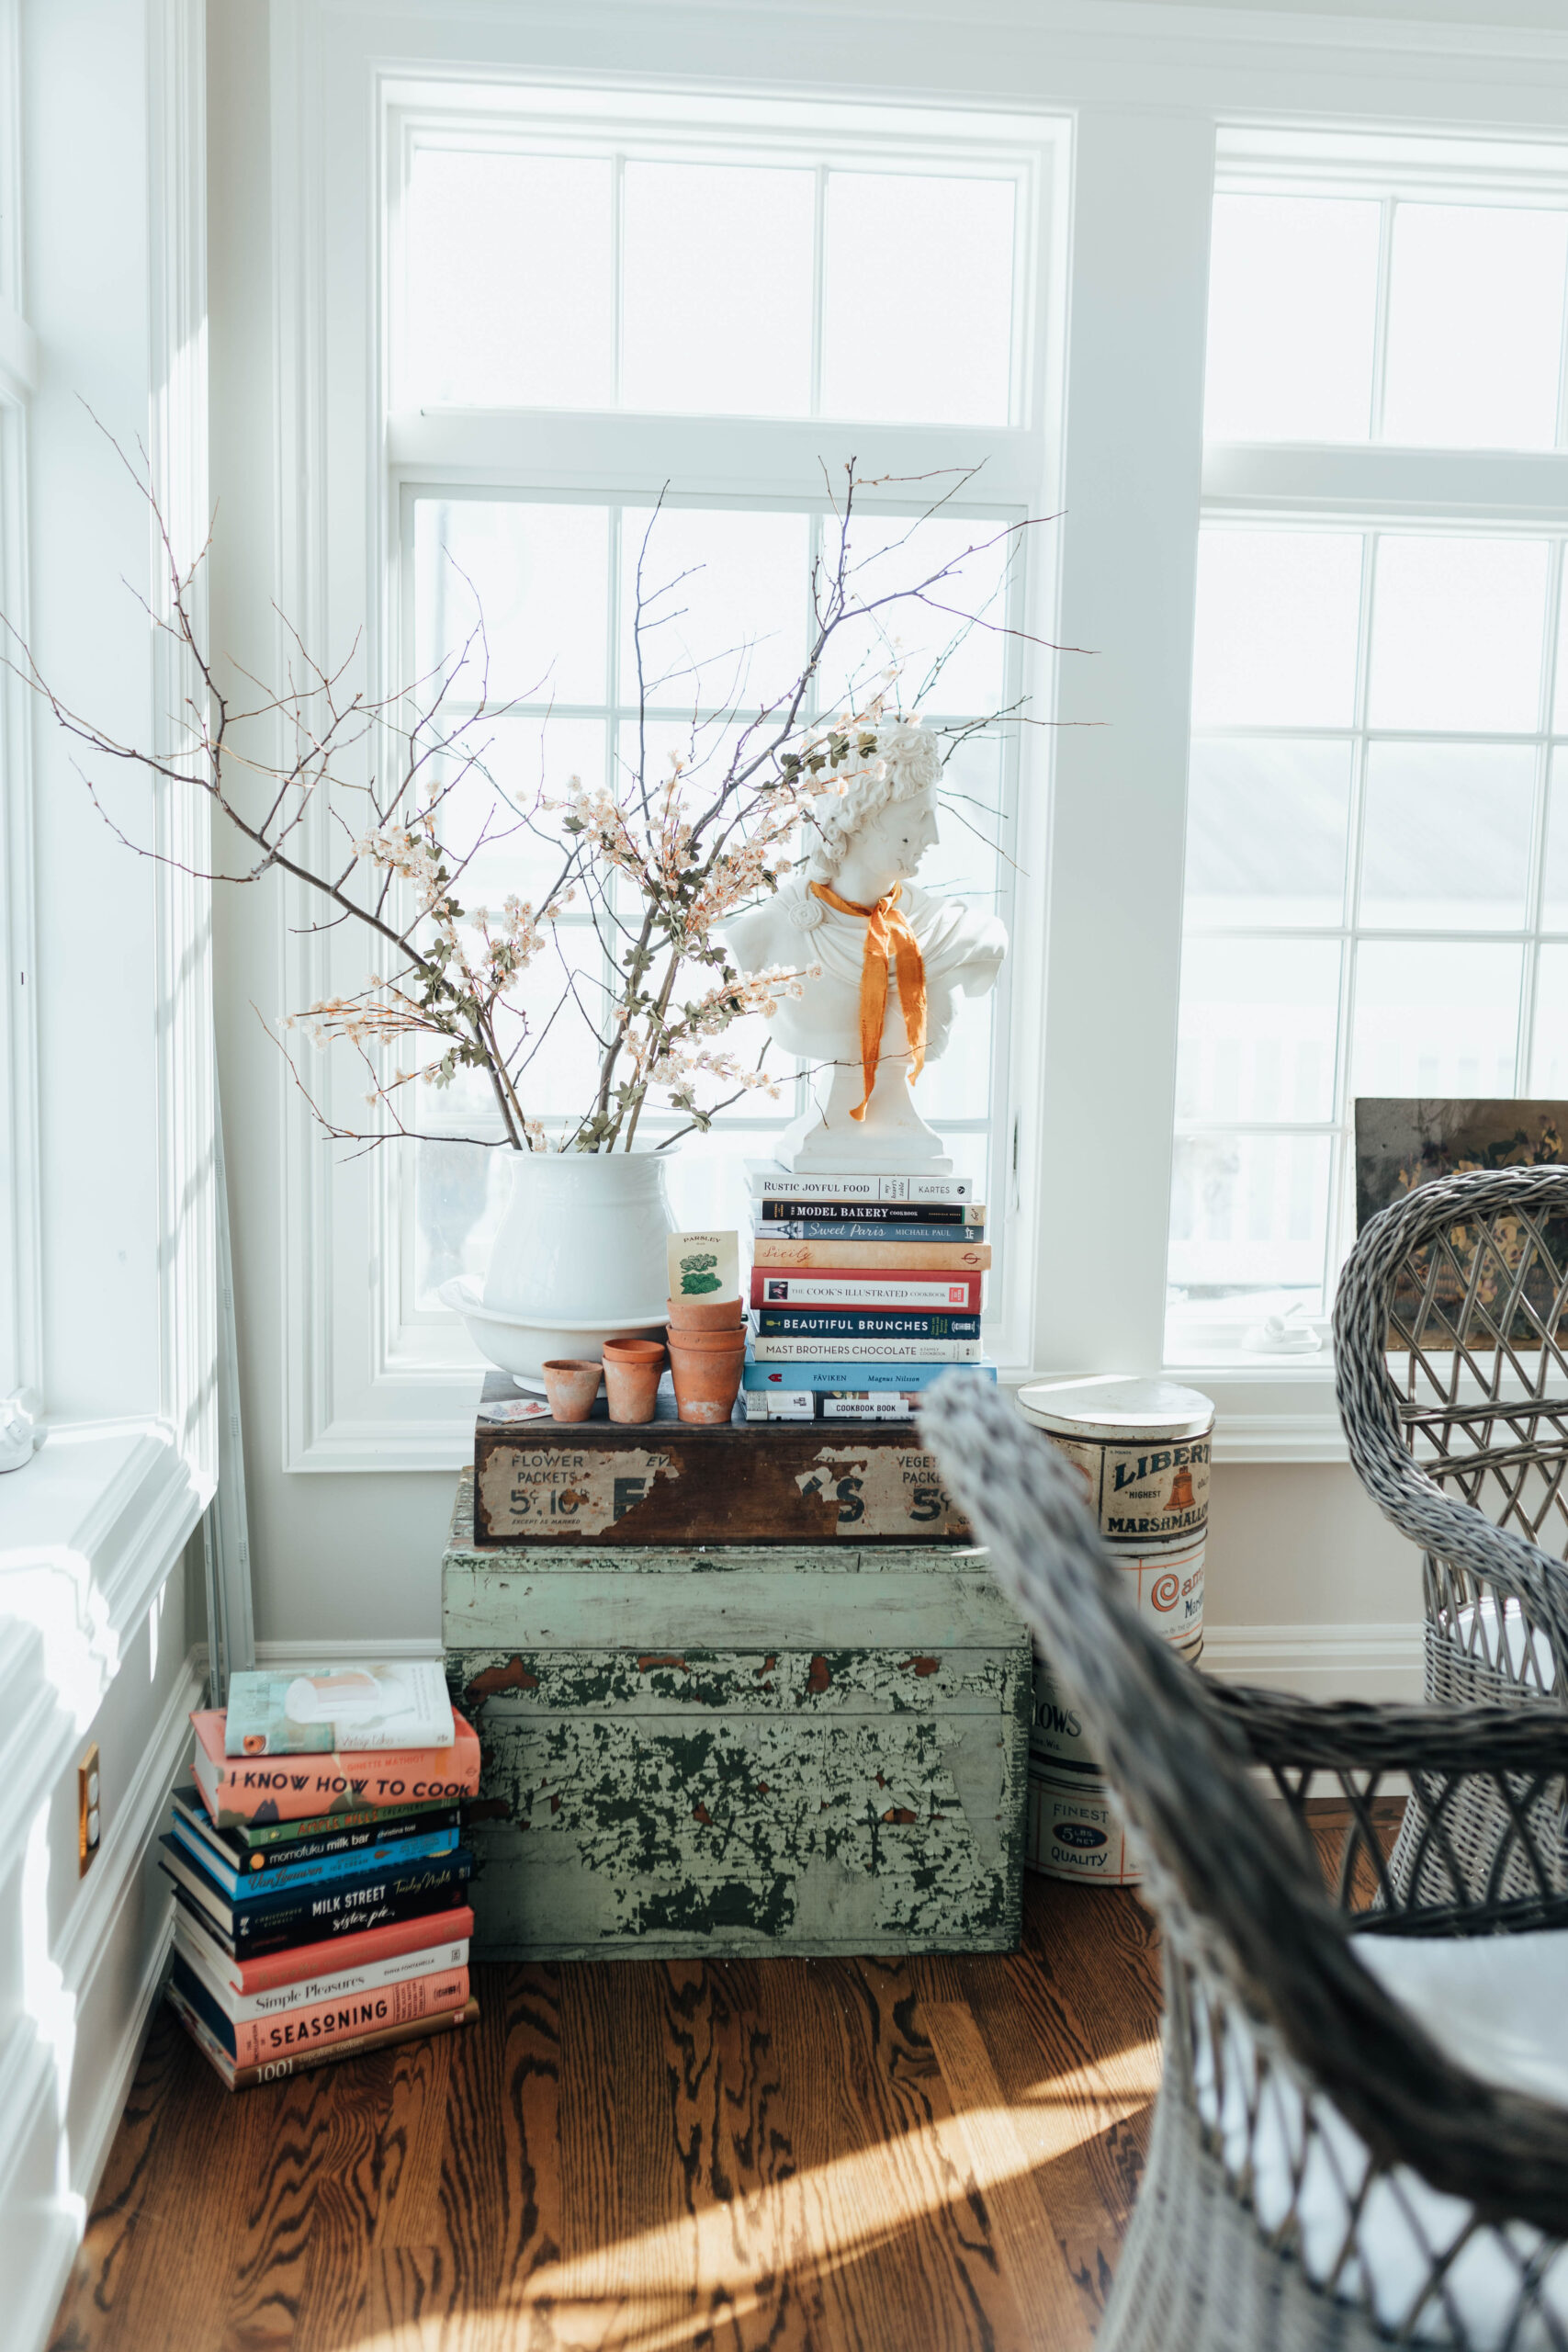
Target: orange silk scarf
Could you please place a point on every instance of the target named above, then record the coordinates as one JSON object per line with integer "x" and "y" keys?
{"x": 885, "y": 930}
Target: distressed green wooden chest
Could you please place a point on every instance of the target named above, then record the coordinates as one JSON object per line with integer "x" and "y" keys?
{"x": 739, "y": 1748}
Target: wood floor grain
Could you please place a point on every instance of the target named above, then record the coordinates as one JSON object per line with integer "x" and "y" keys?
{"x": 848, "y": 2155}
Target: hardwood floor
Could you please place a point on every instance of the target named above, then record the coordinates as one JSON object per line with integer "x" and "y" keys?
{"x": 926, "y": 2156}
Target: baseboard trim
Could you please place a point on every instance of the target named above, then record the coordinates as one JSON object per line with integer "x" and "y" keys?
{"x": 1371, "y": 1661}
{"x": 291, "y": 1656}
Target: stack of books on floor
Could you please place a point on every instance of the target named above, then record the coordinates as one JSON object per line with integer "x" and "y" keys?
{"x": 319, "y": 1871}
{"x": 864, "y": 1288}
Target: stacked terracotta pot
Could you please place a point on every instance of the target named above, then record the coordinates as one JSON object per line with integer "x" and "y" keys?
{"x": 629, "y": 1372}
{"x": 707, "y": 1350}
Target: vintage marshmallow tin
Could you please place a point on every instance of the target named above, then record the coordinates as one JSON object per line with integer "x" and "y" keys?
{"x": 1141, "y": 1449}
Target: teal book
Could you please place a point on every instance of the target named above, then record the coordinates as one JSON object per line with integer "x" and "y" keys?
{"x": 321, "y": 1710}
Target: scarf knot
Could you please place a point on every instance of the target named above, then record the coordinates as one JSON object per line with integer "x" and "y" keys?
{"x": 886, "y": 930}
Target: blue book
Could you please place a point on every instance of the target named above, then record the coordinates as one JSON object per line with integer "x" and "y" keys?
{"x": 854, "y": 1228}
{"x": 854, "y": 1379}
{"x": 314, "y": 1913}
{"x": 244, "y": 1886}
{"x": 826, "y": 1323}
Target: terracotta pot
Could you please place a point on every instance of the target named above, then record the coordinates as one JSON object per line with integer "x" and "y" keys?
{"x": 631, "y": 1383}
{"x": 732, "y": 1336}
{"x": 705, "y": 1314}
{"x": 708, "y": 1379}
{"x": 571, "y": 1386}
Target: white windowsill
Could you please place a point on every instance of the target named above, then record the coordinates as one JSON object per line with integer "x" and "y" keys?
{"x": 89, "y": 1529}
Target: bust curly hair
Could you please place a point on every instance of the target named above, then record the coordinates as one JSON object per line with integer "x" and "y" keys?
{"x": 905, "y": 761}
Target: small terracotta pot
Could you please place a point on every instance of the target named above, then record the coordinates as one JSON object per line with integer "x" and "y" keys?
{"x": 705, "y": 1314}
{"x": 708, "y": 1379}
{"x": 631, "y": 1383}
{"x": 571, "y": 1386}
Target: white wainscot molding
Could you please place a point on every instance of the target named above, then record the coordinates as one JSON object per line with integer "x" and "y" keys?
{"x": 71, "y": 2049}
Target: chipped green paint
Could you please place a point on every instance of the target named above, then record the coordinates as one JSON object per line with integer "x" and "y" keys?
{"x": 544, "y": 1682}
{"x": 791, "y": 1755}
{"x": 846, "y": 1835}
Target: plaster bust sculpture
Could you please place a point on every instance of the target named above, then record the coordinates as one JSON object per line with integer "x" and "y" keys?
{"x": 892, "y": 958}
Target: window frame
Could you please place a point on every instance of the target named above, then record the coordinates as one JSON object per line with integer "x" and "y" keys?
{"x": 21, "y": 1304}
{"x": 1097, "y": 966}
{"x": 371, "y": 1384}
{"x": 1376, "y": 489}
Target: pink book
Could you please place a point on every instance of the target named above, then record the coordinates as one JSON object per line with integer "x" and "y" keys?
{"x": 259, "y": 2039}
{"x": 242, "y": 1790}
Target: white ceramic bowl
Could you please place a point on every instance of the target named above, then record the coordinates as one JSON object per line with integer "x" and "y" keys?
{"x": 522, "y": 1346}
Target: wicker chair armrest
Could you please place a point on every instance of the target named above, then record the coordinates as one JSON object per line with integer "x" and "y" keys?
{"x": 1237, "y": 1897}
{"x": 1348, "y": 1735}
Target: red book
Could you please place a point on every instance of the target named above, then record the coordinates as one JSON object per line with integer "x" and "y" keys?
{"x": 305, "y": 1961}
{"x": 904, "y": 1290}
{"x": 242, "y": 1791}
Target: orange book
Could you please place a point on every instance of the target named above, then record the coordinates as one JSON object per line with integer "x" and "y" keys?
{"x": 241, "y": 1791}
{"x": 256, "y": 2042}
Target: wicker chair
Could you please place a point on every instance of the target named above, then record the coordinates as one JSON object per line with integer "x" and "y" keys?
{"x": 1325, "y": 2170}
{"x": 1462, "y": 1288}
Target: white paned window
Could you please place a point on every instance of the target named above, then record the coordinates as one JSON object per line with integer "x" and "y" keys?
{"x": 1387, "y": 312}
{"x": 1375, "y": 866}
{"x": 641, "y": 331}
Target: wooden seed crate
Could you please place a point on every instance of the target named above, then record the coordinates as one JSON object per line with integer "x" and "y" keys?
{"x": 595, "y": 1482}
{"x": 790, "y": 1749}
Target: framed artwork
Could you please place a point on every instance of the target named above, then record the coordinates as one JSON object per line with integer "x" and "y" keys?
{"x": 1513, "y": 1268}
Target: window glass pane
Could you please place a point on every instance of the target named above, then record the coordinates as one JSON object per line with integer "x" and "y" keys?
{"x": 1258, "y": 1021}
{"x": 946, "y": 667}
{"x": 917, "y": 306}
{"x": 1474, "y": 326}
{"x": 1292, "y": 314}
{"x": 1435, "y": 1019}
{"x": 1554, "y": 891}
{"x": 1549, "y": 1062}
{"x": 1457, "y": 627}
{"x": 510, "y": 290}
{"x": 724, "y": 604}
{"x": 715, "y": 280}
{"x": 974, "y": 840}
{"x": 1276, "y": 628}
{"x": 563, "y": 998}
{"x": 1446, "y": 840}
{"x": 494, "y": 814}
{"x": 959, "y": 1085}
{"x": 540, "y": 577}
{"x": 1249, "y": 1213}
{"x": 1266, "y": 831}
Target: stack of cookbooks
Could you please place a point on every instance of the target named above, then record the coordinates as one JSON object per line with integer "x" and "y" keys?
{"x": 318, "y": 1869}
{"x": 864, "y": 1288}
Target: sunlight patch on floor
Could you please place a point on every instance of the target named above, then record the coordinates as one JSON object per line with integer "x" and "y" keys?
{"x": 673, "y": 2285}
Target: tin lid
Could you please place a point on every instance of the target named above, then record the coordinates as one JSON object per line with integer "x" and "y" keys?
{"x": 1109, "y": 1405}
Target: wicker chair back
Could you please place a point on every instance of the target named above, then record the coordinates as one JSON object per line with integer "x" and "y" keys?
{"x": 1451, "y": 1332}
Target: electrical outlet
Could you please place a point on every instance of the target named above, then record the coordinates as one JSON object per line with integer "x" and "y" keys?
{"x": 89, "y": 1815}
